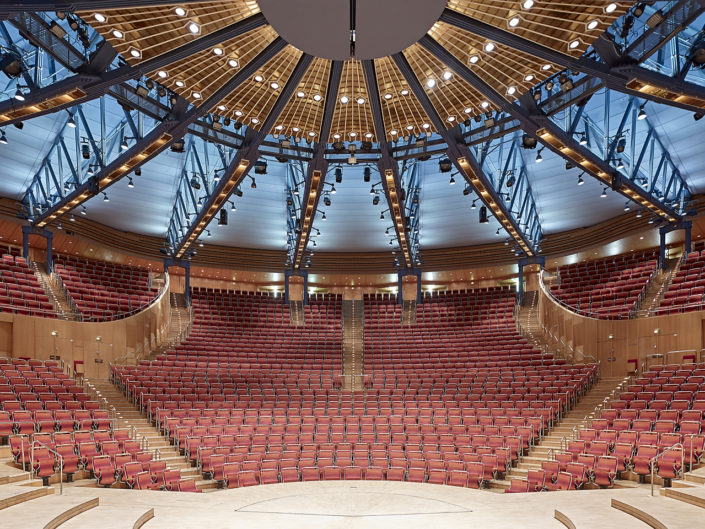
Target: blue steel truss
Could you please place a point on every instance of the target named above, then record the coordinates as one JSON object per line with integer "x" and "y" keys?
{"x": 630, "y": 145}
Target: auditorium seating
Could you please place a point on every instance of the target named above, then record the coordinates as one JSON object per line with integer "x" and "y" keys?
{"x": 245, "y": 410}
{"x": 20, "y": 291}
{"x": 687, "y": 289}
{"x": 660, "y": 415}
{"x": 606, "y": 288}
{"x": 104, "y": 291}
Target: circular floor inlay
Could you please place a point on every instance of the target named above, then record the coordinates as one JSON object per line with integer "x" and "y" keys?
{"x": 322, "y": 28}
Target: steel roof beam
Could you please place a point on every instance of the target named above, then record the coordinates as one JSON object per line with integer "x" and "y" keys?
{"x": 157, "y": 140}
{"x": 630, "y": 79}
{"x": 463, "y": 159}
{"x": 243, "y": 161}
{"x": 81, "y": 88}
{"x": 10, "y": 7}
{"x": 551, "y": 134}
{"x": 318, "y": 166}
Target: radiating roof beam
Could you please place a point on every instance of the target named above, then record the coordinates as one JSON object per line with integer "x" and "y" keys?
{"x": 244, "y": 160}
{"x": 463, "y": 159}
{"x": 388, "y": 167}
{"x": 631, "y": 79}
{"x": 317, "y": 167}
{"x": 81, "y": 88}
{"x": 163, "y": 135}
{"x": 552, "y": 135}
{"x": 10, "y": 7}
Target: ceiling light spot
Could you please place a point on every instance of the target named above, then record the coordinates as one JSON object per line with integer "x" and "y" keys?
{"x": 255, "y": 121}
{"x": 352, "y": 134}
{"x": 368, "y": 135}
{"x": 99, "y": 17}
{"x": 336, "y": 136}
{"x": 387, "y": 96}
{"x": 296, "y": 129}
{"x": 118, "y": 34}
{"x": 232, "y": 63}
{"x": 274, "y": 85}
{"x": 514, "y": 22}
{"x": 218, "y": 51}
{"x": 162, "y": 74}
{"x": 409, "y": 127}
{"x": 180, "y": 11}
{"x": 574, "y": 44}
{"x": 300, "y": 94}
{"x": 194, "y": 28}
{"x": 527, "y": 4}
{"x": 450, "y": 119}
{"x": 344, "y": 100}
{"x": 312, "y": 134}
{"x": 484, "y": 104}
{"x": 259, "y": 78}
{"x": 610, "y": 8}
{"x": 546, "y": 67}
{"x": 528, "y": 78}
{"x": 222, "y": 108}
{"x": 317, "y": 97}
{"x": 360, "y": 100}
{"x": 393, "y": 132}
{"x": 489, "y": 47}
{"x": 426, "y": 126}
{"x": 180, "y": 84}
{"x": 279, "y": 127}
{"x": 512, "y": 90}
{"x": 404, "y": 92}
{"x": 196, "y": 95}
{"x": 447, "y": 75}
{"x": 474, "y": 59}
{"x": 135, "y": 53}
{"x": 430, "y": 83}
{"x": 238, "y": 113}
{"x": 468, "y": 110}
{"x": 593, "y": 24}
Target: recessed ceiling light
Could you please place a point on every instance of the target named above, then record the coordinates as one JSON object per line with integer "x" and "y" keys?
{"x": 218, "y": 51}
{"x": 336, "y": 136}
{"x": 194, "y": 28}
{"x": 118, "y": 34}
{"x": 352, "y": 134}
{"x": 196, "y": 95}
{"x": 162, "y": 74}
{"x": 259, "y": 78}
{"x": 300, "y": 94}
{"x": 426, "y": 126}
{"x": 99, "y": 17}
{"x": 279, "y": 127}
{"x": 484, "y": 104}
{"x": 409, "y": 127}
{"x": 296, "y": 129}
{"x": 451, "y": 119}
{"x": 574, "y": 44}
{"x": 317, "y": 97}
{"x": 312, "y": 134}
{"x": 610, "y": 7}
{"x": 404, "y": 92}
{"x": 135, "y": 53}
{"x": 489, "y": 47}
{"x": 474, "y": 58}
{"x": 222, "y": 108}
{"x": 430, "y": 83}
{"x": 447, "y": 75}
{"x": 468, "y": 110}
{"x": 368, "y": 135}
{"x": 593, "y": 24}
{"x": 511, "y": 90}
{"x": 255, "y": 121}
{"x": 528, "y": 78}
{"x": 546, "y": 67}
{"x": 232, "y": 63}
{"x": 527, "y": 4}
{"x": 180, "y": 11}
{"x": 344, "y": 99}
{"x": 514, "y": 22}
{"x": 393, "y": 132}
{"x": 387, "y": 96}
{"x": 274, "y": 85}
{"x": 360, "y": 100}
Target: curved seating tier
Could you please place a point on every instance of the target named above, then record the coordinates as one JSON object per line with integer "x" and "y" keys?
{"x": 20, "y": 291}
{"x": 687, "y": 289}
{"x": 102, "y": 290}
{"x": 606, "y": 288}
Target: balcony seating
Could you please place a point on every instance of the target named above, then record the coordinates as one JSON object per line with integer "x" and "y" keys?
{"x": 606, "y": 288}
{"x": 20, "y": 291}
{"x": 686, "y": 291}
{"x": 104, "y": 291}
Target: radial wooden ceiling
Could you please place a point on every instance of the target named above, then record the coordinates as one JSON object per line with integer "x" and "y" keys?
{"x": 141, "y": 34}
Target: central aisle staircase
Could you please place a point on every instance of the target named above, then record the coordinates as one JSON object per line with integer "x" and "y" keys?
{"x": 353, "y": 345}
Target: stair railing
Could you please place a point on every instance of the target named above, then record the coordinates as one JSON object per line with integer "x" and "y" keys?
{"x": 654, "y": 460}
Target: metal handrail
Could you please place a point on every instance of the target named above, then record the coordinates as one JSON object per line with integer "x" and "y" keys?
{"x": 61, "y": 464}
{"x": 655, "y": 459}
